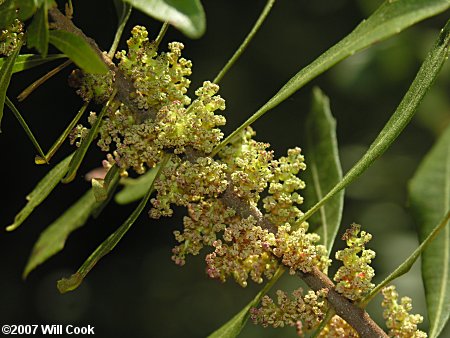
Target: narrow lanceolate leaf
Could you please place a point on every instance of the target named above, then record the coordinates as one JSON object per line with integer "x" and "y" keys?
{"x": 82, "y": 150}
{"x": 408, "y": 263}
{"x": 78, "y": 50}
{"x": 5, "y": 78}
{"x": 61, "y": 138}
{"x": 69, "y": 284}
{"x": 389, "y": 19}
{"x": 53, "y": 238}
{"x": 429, "y": 193}
{"x": 186, "y": 15}
{"x": 37, "y": 33}
{"x": 41, "y": 191}
{"x": 135, "y": 189}
{"x": 27, "y": 61}
{"x": 234, "y": 326}
{"x": 323, "y": 168}
{"x": 24, "y": 125}
{"x": 401, "y": 117}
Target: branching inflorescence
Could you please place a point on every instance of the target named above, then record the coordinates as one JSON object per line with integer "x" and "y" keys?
{"x": 240, "y": 246}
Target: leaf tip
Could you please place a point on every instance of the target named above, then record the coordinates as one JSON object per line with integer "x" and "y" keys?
{"x": 65, "y": 285}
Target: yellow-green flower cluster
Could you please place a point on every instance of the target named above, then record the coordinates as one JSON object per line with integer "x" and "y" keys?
{"x": 400, "y": 323}
{"x": 354, "y": 277}
{"x": 10, "y": 37}
{"x": 281, "y": 203}
{"x": 304, "y": 312}
{"x": 243, "y": 252}
{"x": 249, "y": 166}
{"x": 298, "y": 251}
{"x": 183, "y": 182}
{"x": 338, "y": 328}
{"x": 158, "y": 78}
{"x": 206, "y": 219}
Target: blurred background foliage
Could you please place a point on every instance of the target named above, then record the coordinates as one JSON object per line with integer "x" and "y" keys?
{"x": 137, "y": 291}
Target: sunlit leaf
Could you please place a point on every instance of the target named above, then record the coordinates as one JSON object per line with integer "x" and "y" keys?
{"x": 5, "y": 77}
{"x": 27, "y": 61}
{"x": 41, "y": 191}
{"x": 37, "y": 33}
{"x": 70, "y": 284}
{"x": 323, "y": 169}
{"x": 186, "y": 15}
{"x": 400, "y": 118}
{"x": 389, "y": 19}
{"x": 78, "y": 50}
{"x": 135, "y": 189}
{"x": 429, "y": 194}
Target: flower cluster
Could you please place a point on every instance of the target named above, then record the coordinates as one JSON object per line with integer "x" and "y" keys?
{"x": 10, "y": 37}
{"x": 400, "y": 323}
{"x": 303, "y": 312}
{"x": 354, "y": 277}
{"x": 338, "y": 328}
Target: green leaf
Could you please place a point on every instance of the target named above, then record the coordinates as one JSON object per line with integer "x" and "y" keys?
{"x": 82, "y": 150}
{"x": 389, "y": 19}
{"x": 402, "y": 116}
{"x": 27, "y": 61}
{"x": 408, "y": 263}
{"x": 323, "y": 168}
{"x": 41, "y": 191}
{"x": 61, "y": 138}
{"x": 234, "y": 326}
{"x": 37, "y": 33}
{"x": 27, "y": 8}
{"x": 53, "y": 238}
{"x": 123, "y": 11}
{"x": 5, "y": 78}
{"x": 64, "y": 285}
{"x": 24, "y": 126}
{"x": 186, "y": 15}
{"x": 78, "y": 50}
{"x": 135, "y": 189}
{"x": 429, "y": 193}
{"x": 7, "y": 13}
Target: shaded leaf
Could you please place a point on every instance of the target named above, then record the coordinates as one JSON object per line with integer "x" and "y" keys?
{"x": 5, "y": 77}
{"x": 24, "y": 126}
{"x": 61, "y": 138}
{"x": 7, "y": 13}
{"x": 186, "y": 15}
{"x": 323, "y": 168}
{"x": 37, "y": 33}
{"x": 69, "y": 284}
{"x": 402, "y": 116}
{"x": 389, "y": 19}
{"x": 234, "y": 326}
{"x": 53, "y": 238}
{"x": 27, "y": 61}
{"x": 429, "y": 194}
{"x": 135, "y": 189}
{"x": 41, "y": 191}
{"x": 78, "y": 50}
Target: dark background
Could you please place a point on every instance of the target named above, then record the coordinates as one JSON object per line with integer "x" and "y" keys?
{"x": 137, "y": 291}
